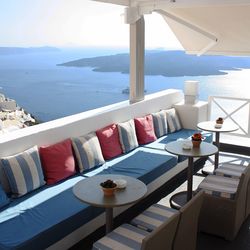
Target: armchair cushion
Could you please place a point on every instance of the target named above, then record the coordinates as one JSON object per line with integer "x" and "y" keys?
{"x": 230, "y": 170}
{"x": 219, "y": 186}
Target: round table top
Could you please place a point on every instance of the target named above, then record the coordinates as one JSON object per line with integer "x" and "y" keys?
{"x": 205, "y": 149}
{"x": 90, "y": 191}
{"x": 210, "y": 126}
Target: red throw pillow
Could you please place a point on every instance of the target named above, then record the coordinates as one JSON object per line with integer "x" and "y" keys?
{"x": 57, "y": 161}
{"x": 109, "y": 141}
{"x": 145, "y": 129}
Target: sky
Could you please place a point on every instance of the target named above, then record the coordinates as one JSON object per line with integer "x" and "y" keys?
{"x": 75, "y": 23}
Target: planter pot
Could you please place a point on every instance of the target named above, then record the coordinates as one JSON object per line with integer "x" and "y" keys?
{"x": 196, "y": 144}
{"x": 108, "y": 191}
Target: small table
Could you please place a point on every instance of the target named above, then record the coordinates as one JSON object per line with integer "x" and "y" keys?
{"x": 210, "y": 126}
{"x": 89, "y": 191}
{"x": 205, "y": 149}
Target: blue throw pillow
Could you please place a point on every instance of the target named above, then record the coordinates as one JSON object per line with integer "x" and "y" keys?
{"x": 4, "y": 200}
{"x": 24, "y": 171}
{"x": 87, "y": 151}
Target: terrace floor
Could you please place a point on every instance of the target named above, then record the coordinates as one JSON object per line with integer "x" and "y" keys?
{"x": 206, "y": 241}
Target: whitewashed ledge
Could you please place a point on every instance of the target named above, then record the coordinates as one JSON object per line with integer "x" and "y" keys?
{"x": 85, "y": 122}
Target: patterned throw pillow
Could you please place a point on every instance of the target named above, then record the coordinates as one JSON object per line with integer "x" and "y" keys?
{"x": 88, "y": 151}
{"x": 24, "y": 171}
{"x": 145, "y": 129}
{"x": 127, "y": 136}
{"x": 173, "y": 120}
{"x": 160, "y": 123}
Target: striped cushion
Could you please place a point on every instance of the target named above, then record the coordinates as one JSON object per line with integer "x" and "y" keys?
{"x": 173, "y": 120}
{"x": 160, "y": 123}
{"x": 127, "y": 136}
{"x": 219, "y": 186}
{"x": 88, "y": 151}
{"x": 124, "y": 237}
{"x": 230, "y": 170}
{"x": 24, "y": 171}
{"x": 153, "y": 217}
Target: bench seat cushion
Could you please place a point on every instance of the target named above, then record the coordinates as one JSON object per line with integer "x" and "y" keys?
{"x": 219, "y": 186}
{"x": 144, "y": 164}
{"x": 47, "y": 215}
{"x": 181, "y": 134}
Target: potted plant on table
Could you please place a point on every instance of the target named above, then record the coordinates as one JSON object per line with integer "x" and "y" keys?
{"x": 196, "y": 140}
{"x": 108, "y": 187}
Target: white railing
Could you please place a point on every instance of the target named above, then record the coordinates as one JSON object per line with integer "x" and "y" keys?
{"x": 235, "y": 110}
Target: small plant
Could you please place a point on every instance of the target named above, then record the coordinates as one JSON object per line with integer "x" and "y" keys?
{"x": 197, "y": 137}
{"x": 108, "y": 184}
{"x": 220, "y": 120}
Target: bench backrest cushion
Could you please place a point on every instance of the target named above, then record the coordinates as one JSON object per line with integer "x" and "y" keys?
{"x": 160, "y": 123}
{"x": 109, "y": 141}
{"x": 127, "y": 136}
{"x": 173, "y": 120}
{"x": 145, "y": 129}
{"x": 57, "y": 161}
{"x": 87, "y": 151}
{"x": 4, "y": 200}
{"x": 23, "y": 171}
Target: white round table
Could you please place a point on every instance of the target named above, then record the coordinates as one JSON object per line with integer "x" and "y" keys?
{"x": 210, "y": 127}
{"x": 205, "y": 149}
{"x": 89, "y": 191}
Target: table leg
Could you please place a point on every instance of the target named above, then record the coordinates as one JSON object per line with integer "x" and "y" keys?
{"x": 217, "y": 143}
{"x": 190, "y": 178}
{"x": 109, "y": 219}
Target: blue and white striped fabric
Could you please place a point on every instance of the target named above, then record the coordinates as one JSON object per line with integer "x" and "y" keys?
{"x": 127, "y": 135}
{"x": 219, "y": 186}
{"x": 87, "y": 151}
{"x": 24, "y": 171}
{"x": 160, "y": 123}
{"x": 124, "y": 237}
{"x": 230, "y": 170}
{"x": 173, "y": 120}
{"x": 153, "y": 217}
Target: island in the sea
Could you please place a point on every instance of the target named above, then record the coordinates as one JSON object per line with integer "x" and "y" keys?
{"x": 166, "y": 63}
{"x": 21, "y": 50}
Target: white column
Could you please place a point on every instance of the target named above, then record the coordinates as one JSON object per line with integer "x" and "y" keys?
{"x": 137, "y": 50}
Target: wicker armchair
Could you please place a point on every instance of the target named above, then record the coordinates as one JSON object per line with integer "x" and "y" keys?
{"x": 186, "y": 233}
{"x": 129, "y": 237}
{"x": 225, "y": 204}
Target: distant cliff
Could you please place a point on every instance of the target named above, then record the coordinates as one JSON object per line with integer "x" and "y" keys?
{"x": 19, "y": 50}
{"x": 165, "y": 63}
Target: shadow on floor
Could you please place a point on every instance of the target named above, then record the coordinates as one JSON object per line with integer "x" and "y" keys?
{"x": 241, "y": 242}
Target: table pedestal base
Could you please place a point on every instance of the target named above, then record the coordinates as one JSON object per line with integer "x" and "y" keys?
{"x": 178, "y": 200}
{"x": 208, "y": 170}
{"x": 109, "y": 220}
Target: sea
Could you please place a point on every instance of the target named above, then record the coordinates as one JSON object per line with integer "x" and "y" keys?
{"x": 48, "y": 91}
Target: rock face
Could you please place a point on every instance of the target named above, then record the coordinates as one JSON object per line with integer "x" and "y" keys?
{"x": 165, "y": 63}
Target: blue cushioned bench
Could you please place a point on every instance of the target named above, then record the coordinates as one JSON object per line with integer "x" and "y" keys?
{"x": 43, "y": 217}
{"x": 146, "y": 164}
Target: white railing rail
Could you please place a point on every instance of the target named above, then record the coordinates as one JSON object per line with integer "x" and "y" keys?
{"x": 236, "y": 110}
